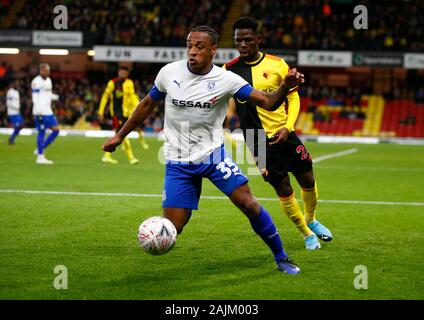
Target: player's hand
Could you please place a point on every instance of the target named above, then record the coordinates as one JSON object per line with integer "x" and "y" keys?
{"x": 293, "y": 78}
{"x": 280, "y": 136}
{"x": 111, "y": 144}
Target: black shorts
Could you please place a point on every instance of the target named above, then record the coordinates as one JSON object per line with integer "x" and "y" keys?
{"x": 288, "y": 156}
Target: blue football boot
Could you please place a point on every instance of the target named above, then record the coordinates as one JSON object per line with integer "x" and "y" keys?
{"x": 320, "y": 230}
{"x": 312, "y": 242}
{"x": 287, "y": 266}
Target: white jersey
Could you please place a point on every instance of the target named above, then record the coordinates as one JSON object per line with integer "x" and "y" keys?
{"x": 195, "y": 108}
{"x": 12, "y": 102}
{"x": 42, "y": 96}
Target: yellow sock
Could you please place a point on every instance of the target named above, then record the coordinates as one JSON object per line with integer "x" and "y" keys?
{"x": 142, "y": 141}
{"x": 310, "y": 200}
{"x": 108, "y": 155}
{"x": 292, "y": 209}
{"x": 127, "y": 148}
{"x": 228, "y": 136}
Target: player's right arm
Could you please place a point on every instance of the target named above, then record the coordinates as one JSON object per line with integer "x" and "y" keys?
{"x": 35, "y": 93}
{"x": 105, "y": 98}
{"x": 143, "y": 110}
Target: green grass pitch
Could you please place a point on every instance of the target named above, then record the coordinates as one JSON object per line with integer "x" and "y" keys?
{"x": 218, "y": 256}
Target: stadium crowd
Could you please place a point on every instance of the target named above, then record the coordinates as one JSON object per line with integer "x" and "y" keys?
{"x": 79, "y": 97}
{"x": 328, "y": 25}
{"x": 303, "y": 24}
{"x": 142, "y": 22}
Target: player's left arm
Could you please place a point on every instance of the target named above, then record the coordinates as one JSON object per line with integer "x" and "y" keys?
{"x": 134, "y": 98}
{"x": 105, "y": 97}
{"x": 292, "y": 115}
{"x": 292, "y": 110}
{"x": 272, "y": 101}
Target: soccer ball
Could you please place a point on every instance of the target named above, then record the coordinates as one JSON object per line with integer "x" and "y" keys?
{"x": 157, "y": 235}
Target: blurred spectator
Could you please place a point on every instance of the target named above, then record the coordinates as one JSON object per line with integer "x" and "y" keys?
{"x": 410, "y": 119}
{"x": 419, "y": 97}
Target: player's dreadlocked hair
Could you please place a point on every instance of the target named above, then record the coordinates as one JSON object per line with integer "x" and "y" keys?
{"x": 246, "y": 23}
{"x": 210, "y": 31}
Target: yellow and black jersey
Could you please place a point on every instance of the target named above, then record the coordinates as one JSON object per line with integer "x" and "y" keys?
{"x": 265, "y": 74}
{"x": 121, "y": 96}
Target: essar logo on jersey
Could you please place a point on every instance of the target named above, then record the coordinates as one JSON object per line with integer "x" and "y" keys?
{"x": 191, "y": 104}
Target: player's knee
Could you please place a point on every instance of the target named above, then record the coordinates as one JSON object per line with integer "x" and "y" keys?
{"x": 307, "y": 180}
{"x": 250, "y": 207}
{"x": 283, "y": 189}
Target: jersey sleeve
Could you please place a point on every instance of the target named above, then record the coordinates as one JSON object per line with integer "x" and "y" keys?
{"x": 284, "y": 70}
{"x": 35, "y": 90}
{"x": 293, "y": 101}
{"x": 237, "y": 86}
{"x": 105, "y": 97}
{"x": 292, "y": 110}
{"x": 158, "y": 91}
{"x": 132, "y": 96}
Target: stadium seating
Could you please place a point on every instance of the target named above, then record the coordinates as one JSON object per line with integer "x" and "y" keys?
{"x": 397, "y": 118}
{"x": 286, "y": 24}
{"x": 311, "y": 25}
{"x": 141, "y": 22}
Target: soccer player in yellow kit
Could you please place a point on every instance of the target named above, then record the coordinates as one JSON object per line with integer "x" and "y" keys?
{"x": 122, "y": 101}
{"x": 285, "y": 152}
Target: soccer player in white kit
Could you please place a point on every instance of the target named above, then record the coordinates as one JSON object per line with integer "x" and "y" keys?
{"x": 42, "y": 97}
{"x": 196, "y": 93}
{"x": 13, "y": 111}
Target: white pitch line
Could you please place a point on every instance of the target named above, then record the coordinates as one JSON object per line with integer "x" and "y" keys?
{"x": 145, "y": 195}
{"x": 335, "y": 155}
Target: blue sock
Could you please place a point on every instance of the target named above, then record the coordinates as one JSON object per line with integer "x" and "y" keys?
{"x": 266, "y": 229}
{"x": 51, "y": 138}
{"x": 14, "y": 134}
{"x": 40, "y": 141}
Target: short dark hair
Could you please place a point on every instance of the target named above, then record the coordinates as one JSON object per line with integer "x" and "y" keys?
{"x": 246, "y": 23}
{"x": 124, "y": 68}
{"x": 209, "y": 30}
{"x": 44, "y": 65}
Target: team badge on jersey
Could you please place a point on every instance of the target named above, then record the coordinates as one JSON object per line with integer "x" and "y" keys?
{"x": 211, "y": 85}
